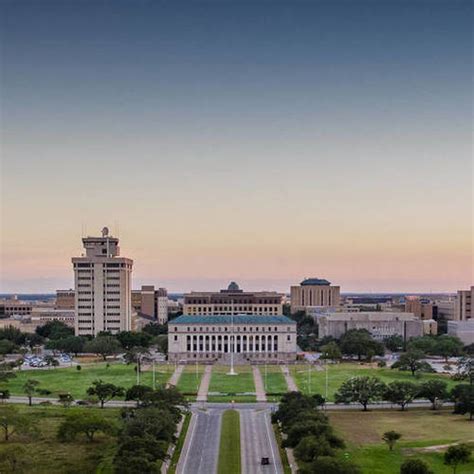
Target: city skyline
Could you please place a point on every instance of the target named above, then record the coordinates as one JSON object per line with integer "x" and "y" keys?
{"x": 236, "y": 142}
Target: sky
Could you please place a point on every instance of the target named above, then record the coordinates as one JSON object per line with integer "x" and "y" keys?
{"x": 256, "y": 141}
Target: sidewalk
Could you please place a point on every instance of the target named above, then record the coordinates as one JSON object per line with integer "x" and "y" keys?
{"x": 259, "y": 387}
{"x": 289, "y": 379}
{"x": 204, "y": 387}
{"x": 174, "y": 379}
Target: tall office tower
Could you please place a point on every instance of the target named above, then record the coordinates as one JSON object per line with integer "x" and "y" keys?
{"x": 465, "y": 304}
{"x": 102, "y": 283}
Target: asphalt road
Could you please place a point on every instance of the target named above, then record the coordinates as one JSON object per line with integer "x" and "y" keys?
{"x": 201, "y": 447}
{"x": 257, "y": 440}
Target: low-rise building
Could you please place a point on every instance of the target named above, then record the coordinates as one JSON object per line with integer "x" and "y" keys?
{"x": 421, "y": 308}
{"x": 379, "y": 324}
{"x": 41, "y": 316}
{"x": 151, "y": 303}
{"x": 13, "y": 307}
{"x": 314, "y": 293}
{"x": 246, "y": 338}
{"x": 464, "y": 330}
{"x": 234, "y": 301}
{"x": 65, "y": 299}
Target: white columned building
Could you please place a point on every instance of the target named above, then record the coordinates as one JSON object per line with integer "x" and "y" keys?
{"x": 251, "y": 338}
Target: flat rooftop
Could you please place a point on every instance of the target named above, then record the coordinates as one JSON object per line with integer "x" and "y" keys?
{"x": 237, "y": 319}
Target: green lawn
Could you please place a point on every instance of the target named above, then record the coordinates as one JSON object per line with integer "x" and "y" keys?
{"x": 229, "y": 385}
{"x": 76, "y": 382}
{"x": 43, "y": 454}
{"x": 229, "y": 447}
{"x": 190, "y": 380}
{"x": 420, "y": 429}
{"x": 338, "y": 373}
{"x": 273, "y": 381}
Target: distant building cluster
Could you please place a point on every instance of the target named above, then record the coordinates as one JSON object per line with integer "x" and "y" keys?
{"x": 211, "y": 325}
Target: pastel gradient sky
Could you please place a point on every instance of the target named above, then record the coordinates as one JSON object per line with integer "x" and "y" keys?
{"x": 256, "y": 141}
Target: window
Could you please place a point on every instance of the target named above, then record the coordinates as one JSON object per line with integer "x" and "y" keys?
{"x": 175, "y": 337}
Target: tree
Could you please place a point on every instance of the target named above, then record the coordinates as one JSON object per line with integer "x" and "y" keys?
{"x": 359, "y": 342}
{"x": 412, "y": 361}
{"x": 425, "y": 344}
{"x": 435, "y": 391}
{"x": 391, "y": 437}
{"x": 70, "y": 344}
{"x": 330, "y": 465}
{"x": 394, "y": 343}
{"x": 51, "y": 361}
{"x": 155, "y": 329}
{"x": 291, "y": 404}
{"x": 7, "y": 347}
{"x": 13, "y": 422}
{"x": 465, "y": 369}
{"x": 310, "y": 448}
{"x": 12, "y": 334}
{"x": 87, "y": 423}
{"x": 401, "y": 393}
{"x": 331, "y": 351}
{"x": 134, "y": 355}
{"x": 457, "y": 454}
{"x": 448, "y": 346}
{"x": 363, "y": 390}
{"x": 55, "y": 330}
{"x": 138, "y": 393}
{"x": 463, "y": 398}
{"x": 161, "y": 342}
{"x": 65, "y": 399}
{"x": 415, "y": 466}
{"x": 103, "y": 346}
{"x": 104, "y": 391}
{"x": 33, "y": 340}
{"x": 30, "y": 387}
{"x": 131, "y": 339}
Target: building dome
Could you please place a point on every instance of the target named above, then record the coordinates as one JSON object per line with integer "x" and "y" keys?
{"x": 233, "y": 286}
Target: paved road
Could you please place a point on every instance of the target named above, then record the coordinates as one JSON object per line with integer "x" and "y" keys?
{"x": 201, "y": 447}
{"x": 257, "y": 440}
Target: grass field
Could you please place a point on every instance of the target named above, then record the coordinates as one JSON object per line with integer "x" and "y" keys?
{"x": 422, "y": 431}
{"x": 77, "y": 382}
{"x": 190, "y": 380}
{"x": 231, "y": 384}
{"x": 45, "y": 455}
{"x": 273, "y": 381}
{"x": 229, "y": 447}
{"x": 338, "y": 373}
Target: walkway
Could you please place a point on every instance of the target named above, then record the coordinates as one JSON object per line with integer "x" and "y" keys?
{"x": 204, "y": 387}
{"x": 174, "y": 379}
{"x": 289, "y": 379}
{"x": 259, "y": 387}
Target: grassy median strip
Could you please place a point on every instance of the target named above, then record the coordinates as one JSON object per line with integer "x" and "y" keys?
{"x": 229, "y": 448}
{"x": 283, "y": 455}
{"x": 179, "y": 444}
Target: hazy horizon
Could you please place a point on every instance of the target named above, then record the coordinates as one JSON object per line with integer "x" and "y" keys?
{"x": 258, "y": 142}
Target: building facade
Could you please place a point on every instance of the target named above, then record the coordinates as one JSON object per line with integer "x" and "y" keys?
{"x": 102, "y": 287}
{"x": 65, "y": 299}
{"x": 14, "y": 307}
{"x": 379, "y": 324}
{"x": 421, "y": 308}
{"x": 41, "y": 316}
{"x": 314, "y": 293}
{"x": 233, "y": 301}
{"x": 152, "y": 303}
{"x": 464, "y": 330}
{"x": 464, "y": 304}
{"x": 246, "y": 338}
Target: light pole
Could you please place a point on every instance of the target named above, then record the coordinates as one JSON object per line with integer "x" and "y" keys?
{"x": 154, "y": 376}
{"x": 138, "y": 369}
{"x": 232, "y": 342}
